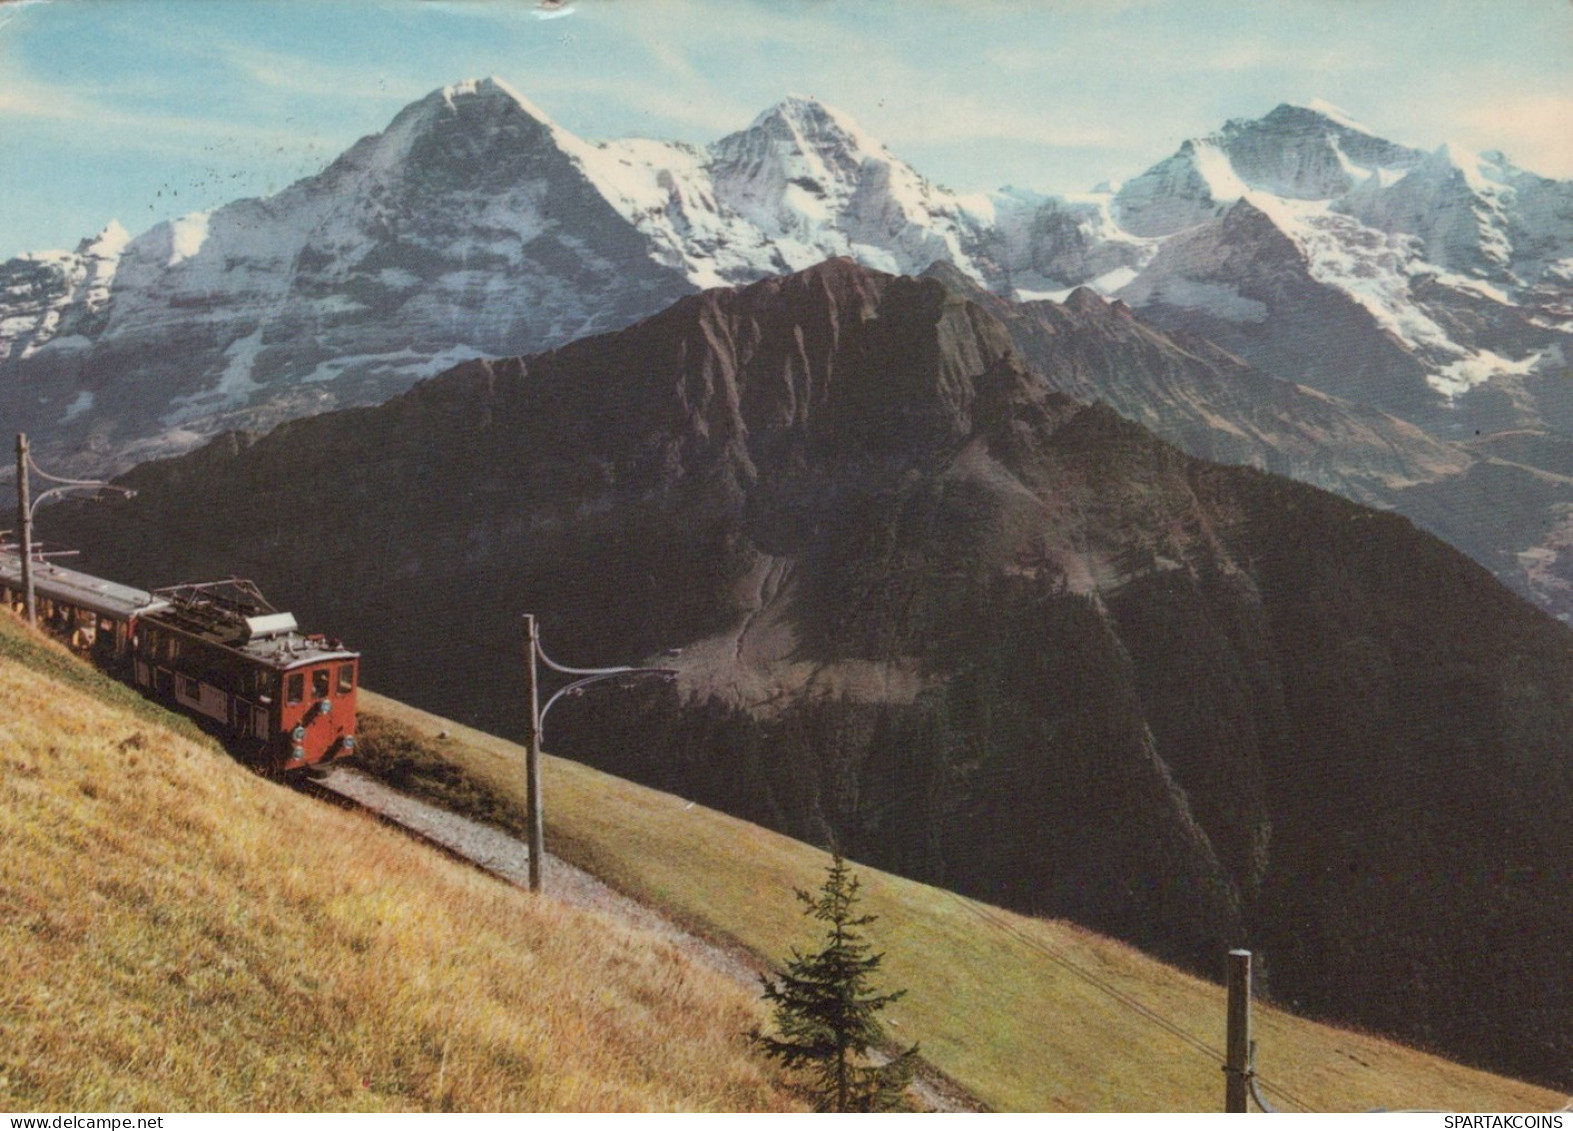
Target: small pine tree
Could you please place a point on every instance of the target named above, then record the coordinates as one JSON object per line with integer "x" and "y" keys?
{"x": 825, "y": 1005}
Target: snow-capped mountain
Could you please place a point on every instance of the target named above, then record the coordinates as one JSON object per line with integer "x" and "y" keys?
{"x": 472, "y": 225}
{"x": 57, "y": 296}
{"x": 1432, "y": 285}
{"x": 1299, "y": 153}
{"x": 817, "y": 186}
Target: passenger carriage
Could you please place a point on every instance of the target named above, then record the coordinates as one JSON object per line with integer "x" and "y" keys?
{"x": 219, "y": 652}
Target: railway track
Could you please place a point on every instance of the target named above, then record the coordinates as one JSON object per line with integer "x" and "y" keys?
{"x": 499, "y": 854}
{"x": 508, "y": 858}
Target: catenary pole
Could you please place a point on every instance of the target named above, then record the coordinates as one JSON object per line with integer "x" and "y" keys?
{"x": 1237, "y": 1072}
{"x": 536, "y": 655}
{"x": 24, "y": 523}
{"x": 532, "y": 769}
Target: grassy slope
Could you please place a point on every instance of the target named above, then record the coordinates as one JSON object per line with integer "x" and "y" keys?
{"x": 991, "y": 997}
{"x": 177, "y": 934}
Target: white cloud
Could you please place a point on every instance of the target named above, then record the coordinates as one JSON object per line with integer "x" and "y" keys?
{"x": 938, "y": 118}
{"x": 1535, "y": 130}
{"x": 22, "y": 100}
{"x": 304, "y": 76}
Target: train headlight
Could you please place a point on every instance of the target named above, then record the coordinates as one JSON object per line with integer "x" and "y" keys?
{"x": 326, "y": 707}
{"x": 349, "y": 742}
{"x": 297, "y": 753}
{"x": 298, "y": 734}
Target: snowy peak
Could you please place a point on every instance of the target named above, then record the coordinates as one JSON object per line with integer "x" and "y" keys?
{"x": 489, "y": 95}
{"x": 477, "y": 132}
{"x": 794, "y": 168}
{"x": 1331, "y": 113}
{"x": 1191, "y": 187}
{"x": 1311, "y": 152}
{"x": 490, "y": 89}
{"x": 108, "y": 244}
{"x": 1318, "y": 127}
{"x": 808, "y": 118}
{"x": 807, "y": 128}
{"x": 815, "y": 184}
{"x": 1288, "y": 119}
{"x": 1457, "y": 202}
{"x": 1448, "y": 264}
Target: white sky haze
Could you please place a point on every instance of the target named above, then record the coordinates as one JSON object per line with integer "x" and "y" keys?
{"x": 143, "y": 110}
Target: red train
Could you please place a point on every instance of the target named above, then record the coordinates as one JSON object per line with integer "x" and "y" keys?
{"x": 283, "y": 699}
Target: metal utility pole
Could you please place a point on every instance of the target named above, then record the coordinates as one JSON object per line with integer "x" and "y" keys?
{"x": 1237, "y": 1072}
{"x": 26, "y": 504}
{"x": 24, "y": 522}
{"x": 532, "y": 763}
{"x": 534, "y": 823}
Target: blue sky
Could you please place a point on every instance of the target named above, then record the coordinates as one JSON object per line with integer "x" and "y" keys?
{"x": 143, "y": 110}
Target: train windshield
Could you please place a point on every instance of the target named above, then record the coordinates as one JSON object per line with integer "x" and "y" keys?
{"x": 346, "y": 678}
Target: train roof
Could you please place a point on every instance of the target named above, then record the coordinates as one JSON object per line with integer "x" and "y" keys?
{"x": 234, "y": 615}
{"x": 81, "y": 589}
{"x": 280, "y": 651}
{"x": 230, "y": 614}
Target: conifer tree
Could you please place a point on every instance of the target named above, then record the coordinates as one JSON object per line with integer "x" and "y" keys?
{"x": 825, "y": 1005}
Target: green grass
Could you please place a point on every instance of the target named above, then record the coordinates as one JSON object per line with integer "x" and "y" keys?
{"x": 1025, "y": 1014}
{"x": 38, "y": 654}
{"x": 177, "y": 933}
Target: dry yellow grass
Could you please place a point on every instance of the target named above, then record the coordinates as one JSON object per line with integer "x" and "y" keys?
{"x": 177, "y": 934}
{"x": 1002, "y": 1003}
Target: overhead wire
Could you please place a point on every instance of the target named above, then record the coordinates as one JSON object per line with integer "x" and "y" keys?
{"x": 996, "y": 918}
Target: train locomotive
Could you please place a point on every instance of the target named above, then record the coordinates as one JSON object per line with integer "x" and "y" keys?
{"x": 284, "y": 700}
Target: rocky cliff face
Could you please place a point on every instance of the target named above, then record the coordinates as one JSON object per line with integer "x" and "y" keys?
{"x": 976, "y": 631}
{"x": 1207, "y": 402}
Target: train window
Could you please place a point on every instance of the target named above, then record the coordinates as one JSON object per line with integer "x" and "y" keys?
{"x": 319, "y": 683}
{"x": 193, "y": 688}
{"x": 295, "y": 687}
{"x": 346, "y": 678}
